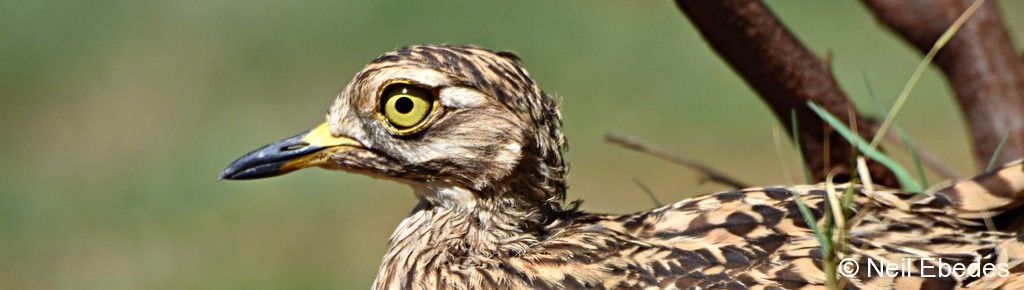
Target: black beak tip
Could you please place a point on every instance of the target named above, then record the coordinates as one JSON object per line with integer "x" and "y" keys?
{"x": 229, "y": 172}
{"x": 267, "y": 160}
{"x": 223, "y": 175}
{"x": 234, "y": 172}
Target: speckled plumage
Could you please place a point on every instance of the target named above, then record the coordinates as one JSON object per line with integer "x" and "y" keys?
{"x": 489, "y": 174}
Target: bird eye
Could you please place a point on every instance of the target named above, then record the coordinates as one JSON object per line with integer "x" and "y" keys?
{"x": 406, "y": 106}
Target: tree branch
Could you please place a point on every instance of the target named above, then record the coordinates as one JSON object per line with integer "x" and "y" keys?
{"x": 786, "y": 74}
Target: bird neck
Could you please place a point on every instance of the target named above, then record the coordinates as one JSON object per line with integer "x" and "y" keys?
{"x": 532, "y": 193}
{"x": 458, "y": 226}
{"x": 462, "y": 230}
{"x": 483, "y": 218}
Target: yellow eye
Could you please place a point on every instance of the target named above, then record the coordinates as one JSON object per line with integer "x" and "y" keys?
{"x": 405, "y": 106}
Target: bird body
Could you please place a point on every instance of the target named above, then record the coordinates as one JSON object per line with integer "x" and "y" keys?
{"x": 481, "y": 146}
{"x": 746, "y": 239}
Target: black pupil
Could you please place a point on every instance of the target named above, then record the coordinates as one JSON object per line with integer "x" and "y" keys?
{"x": 403, "y": 105}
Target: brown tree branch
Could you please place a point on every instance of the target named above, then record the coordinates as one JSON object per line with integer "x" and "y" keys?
{"x": 711, "y": 174}
{"x": 786, "y": 74}
{"x": 979, "y": 61}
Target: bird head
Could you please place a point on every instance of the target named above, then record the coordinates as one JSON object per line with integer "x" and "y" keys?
{"x": 458, "y": 123}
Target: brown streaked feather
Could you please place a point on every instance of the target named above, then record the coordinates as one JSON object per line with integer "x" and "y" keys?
{"x": 989, "y": 194}
{"x": 748, "y": 239}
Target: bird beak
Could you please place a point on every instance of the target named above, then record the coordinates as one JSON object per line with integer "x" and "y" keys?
{"x": 310, "y": 148}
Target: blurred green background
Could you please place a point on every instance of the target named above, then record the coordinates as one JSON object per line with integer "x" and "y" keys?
{"x": 116, "y": 117}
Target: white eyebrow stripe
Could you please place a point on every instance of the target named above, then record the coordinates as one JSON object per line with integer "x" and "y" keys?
{"x": 427, "y": 77}
{"x": 459, "y": 97}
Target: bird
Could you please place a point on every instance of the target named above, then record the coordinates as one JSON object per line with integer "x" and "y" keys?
{"x": 482, "y": 148}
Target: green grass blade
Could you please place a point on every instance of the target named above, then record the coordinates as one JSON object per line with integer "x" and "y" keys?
{"x": 908, "y": 183}
{"x": 906, "y": 138}
{"x": 914, "y": 155}
{"x": 941, "y": 42}
{"x": 995, "y": 155}
{"x": 648, "y": 191}
{"x": 799, "y": 149}
{"x": 848, "y": 193}
{"x": 778, "y": 153}
{"x": 826, "y": 243}
{"x": 871, "y": 93}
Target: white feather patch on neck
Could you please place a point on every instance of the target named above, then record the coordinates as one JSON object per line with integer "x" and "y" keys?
{"x": 446, "y": 195}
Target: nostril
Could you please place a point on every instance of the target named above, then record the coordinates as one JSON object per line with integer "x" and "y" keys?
{"x": 294, "y": 147}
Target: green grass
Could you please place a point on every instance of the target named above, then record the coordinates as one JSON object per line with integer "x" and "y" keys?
{"x": 794, "y": 124}
{"x": 995, "y": 155}
{"x": 906, "y": 181}
{"x": 833, "y": 237}
{"x": 919, "y": 71}
{"x": 647, "y": 190}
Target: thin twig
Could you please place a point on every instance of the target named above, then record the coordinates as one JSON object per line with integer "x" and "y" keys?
{"x": 710, "y": 173}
